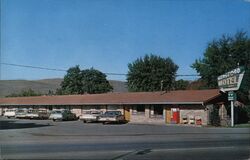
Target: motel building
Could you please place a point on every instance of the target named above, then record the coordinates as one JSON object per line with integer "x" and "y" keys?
{"x": 173, "y": 107}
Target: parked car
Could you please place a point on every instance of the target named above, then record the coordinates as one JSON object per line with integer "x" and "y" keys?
{"x": 112, "y": 117}
{"x": 21, "y": 113}
{"x": 62, "y": 115}
{"x": 37, "y": 114}
{"x": 10, "y": 113}
{"x": 90, "y": 116}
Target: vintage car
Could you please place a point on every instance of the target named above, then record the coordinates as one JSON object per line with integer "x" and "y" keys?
{"x": 21, "y": 113}
{"x": 112, "y": 117}
{"x": 62, "y": 115}
{"x": 10, "y": 113}
{"x": 90, "y": 116}
{"x": 37, "y": 114}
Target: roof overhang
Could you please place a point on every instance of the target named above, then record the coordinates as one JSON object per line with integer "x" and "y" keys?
{"x": 80, "y": 104}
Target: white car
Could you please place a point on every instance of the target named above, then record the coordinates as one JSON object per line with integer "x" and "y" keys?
{"x": 90, "y": 116}
{"x": 10, "y": 113}
{"x": 62, "y": 115}
{"x": 21, "y": 113}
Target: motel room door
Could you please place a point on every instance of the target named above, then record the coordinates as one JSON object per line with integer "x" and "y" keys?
{"x": 168, "y": 115}
{"x": 127, "y": 113}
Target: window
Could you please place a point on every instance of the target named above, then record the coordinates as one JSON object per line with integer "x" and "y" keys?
{"x": 156, "y": 111}
{"x": 139, "y": 109}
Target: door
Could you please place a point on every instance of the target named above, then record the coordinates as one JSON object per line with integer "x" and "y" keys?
{"x": 168, "y": 115}
{"x": 127, "y": 113}
{"x": 175, "y": 116}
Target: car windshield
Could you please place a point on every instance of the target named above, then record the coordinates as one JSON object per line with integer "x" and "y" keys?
{"x": 112, "y": 113}
{"x": 87, "y": 112}
{"x": 10, "y": 110}
{"x": 42, "y": 111}
{"x": 33, "y": 111}
{"x": 21, "y": 111}
{"x": 95, "y": 113}
{"x": 56, "y": 112}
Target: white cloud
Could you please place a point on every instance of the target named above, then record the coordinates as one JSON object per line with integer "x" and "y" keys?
{"x": 247, "y": 1}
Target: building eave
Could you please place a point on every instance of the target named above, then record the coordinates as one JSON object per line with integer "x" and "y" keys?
{"x": 79, "y": 104}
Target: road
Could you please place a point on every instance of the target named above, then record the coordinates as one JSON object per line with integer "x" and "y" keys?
{"x": 37, "y": 139}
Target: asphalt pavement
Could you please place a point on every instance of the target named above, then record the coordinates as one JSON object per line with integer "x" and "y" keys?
{"x": 45, "y": 139}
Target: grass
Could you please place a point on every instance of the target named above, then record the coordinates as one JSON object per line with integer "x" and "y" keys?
{"x": 245, "y": 125}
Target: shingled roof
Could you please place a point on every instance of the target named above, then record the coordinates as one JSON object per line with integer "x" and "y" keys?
{"x": 172, "y": 97}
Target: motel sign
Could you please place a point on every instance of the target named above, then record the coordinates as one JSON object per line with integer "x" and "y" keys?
{"x": 230, "y": 82}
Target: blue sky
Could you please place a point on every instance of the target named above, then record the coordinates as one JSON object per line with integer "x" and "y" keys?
{"x": 109, "y": 34}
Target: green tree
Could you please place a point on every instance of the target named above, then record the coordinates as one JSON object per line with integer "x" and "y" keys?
{"x": 181, "y": 84}
{"x": 151, "y": 73}
{"x": 95, "y": 81}
{"x": 72, "y": 82}
{"x": 25, "y": 93}
{"x": 78, "y": 81}
{"x": 223, "y": 55}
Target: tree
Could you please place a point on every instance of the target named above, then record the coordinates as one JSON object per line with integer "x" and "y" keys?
{"x": 181, "y": 84}
{"x": 72, "y": 82}
{"x": 78, "y": 81}
{"x": 95, "y": 81}
{"x": 223, "y": 55}
{"x": 151, "y": 73}
{"x": 25, "y": 93}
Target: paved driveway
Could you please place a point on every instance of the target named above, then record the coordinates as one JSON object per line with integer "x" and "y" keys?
{"x": 29, "y": 139}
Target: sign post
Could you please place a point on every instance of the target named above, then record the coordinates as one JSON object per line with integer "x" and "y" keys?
{"x": 232, "y": 98}
{"x": 230, "y": 82}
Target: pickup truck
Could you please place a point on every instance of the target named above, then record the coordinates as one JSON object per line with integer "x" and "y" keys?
{"x": 90, "y": 116}
{"x": 112, "y": 117}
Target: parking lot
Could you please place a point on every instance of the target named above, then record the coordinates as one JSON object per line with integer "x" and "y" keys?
{"x": 45, "y": 139}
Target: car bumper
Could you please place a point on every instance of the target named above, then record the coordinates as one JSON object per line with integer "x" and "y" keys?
{"x": 107, "y": 120}
{"x": 55, "y": 118}
{"x": 88, "y": 119}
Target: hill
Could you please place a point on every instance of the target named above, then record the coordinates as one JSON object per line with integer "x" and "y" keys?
{"x": 43, "y": 86}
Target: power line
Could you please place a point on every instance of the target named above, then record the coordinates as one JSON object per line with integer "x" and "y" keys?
{"x": 51, "y": 69}
{"x": 34, "y": 67}
{"x": 64, "y": 70}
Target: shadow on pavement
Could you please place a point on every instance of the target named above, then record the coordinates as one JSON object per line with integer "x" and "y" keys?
{"x": 13, "y": 125}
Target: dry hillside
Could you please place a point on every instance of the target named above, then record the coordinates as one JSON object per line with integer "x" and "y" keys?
{"x": 43, "y": 86}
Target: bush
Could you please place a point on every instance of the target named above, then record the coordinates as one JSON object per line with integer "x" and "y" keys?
{"x": 215, "y": 118}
